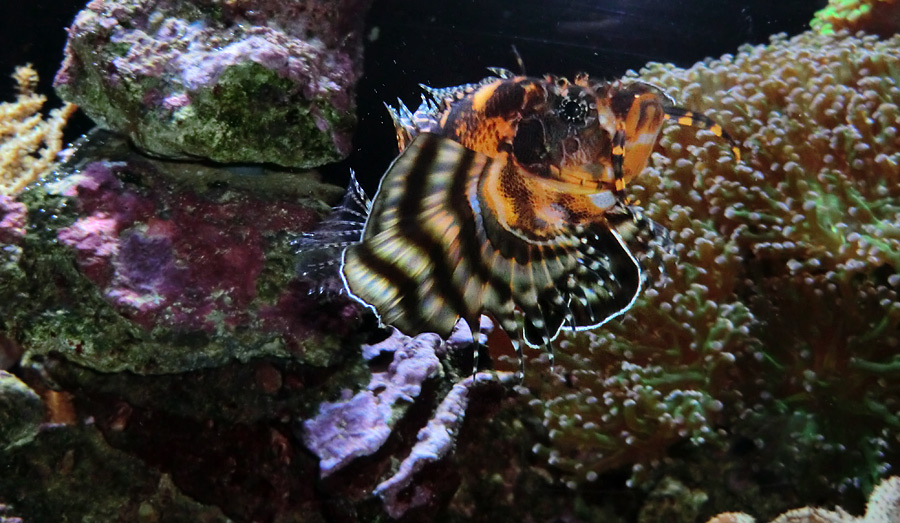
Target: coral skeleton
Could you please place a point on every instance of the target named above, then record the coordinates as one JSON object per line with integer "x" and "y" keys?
{"x": 29, "y": 142}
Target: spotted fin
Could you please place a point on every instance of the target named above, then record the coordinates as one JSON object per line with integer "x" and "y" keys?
{"x": 647, "y": 240}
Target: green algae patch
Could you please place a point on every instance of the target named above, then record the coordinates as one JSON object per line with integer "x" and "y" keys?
{"x": 21, "y": 411}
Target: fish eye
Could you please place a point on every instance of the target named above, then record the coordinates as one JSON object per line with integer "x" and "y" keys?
{"x": 574, "y": 111}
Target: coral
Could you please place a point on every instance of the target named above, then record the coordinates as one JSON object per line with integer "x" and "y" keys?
{"x": 624, "y": 394}
{"x": 436, "y": 440}
{"x": 883, "y": 507}
{"x": 359, "y": 425}
{"x": 28, "y": 141}
{"x": 732, "y": 517}
{"x": 672, "y": 501}
{"x": 247, "y": 81}
{"x": 879, "y": 17}
{"x": 884, "y": 503}
{"x": 812, "y": 215}
{"x": 781, "y": 303}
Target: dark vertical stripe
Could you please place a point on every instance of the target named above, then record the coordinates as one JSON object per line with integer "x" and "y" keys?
{"x": 406, "y": 286}
{"x": 414, "y": 183}
{"x": 469, "y": 246}
{"x": 414, "y": 192}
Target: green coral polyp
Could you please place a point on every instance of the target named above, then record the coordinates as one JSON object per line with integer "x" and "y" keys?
{"x": 782, "y": 300}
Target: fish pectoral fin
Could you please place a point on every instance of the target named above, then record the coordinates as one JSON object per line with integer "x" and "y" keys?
{"x": 419, "y": 232}
{"x": 606, "y": 281}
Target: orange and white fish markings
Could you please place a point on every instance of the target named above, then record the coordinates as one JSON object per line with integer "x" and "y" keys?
{"x": 508, "y": 197}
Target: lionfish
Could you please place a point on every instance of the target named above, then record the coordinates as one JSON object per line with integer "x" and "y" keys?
{"x": 507, "y": 197}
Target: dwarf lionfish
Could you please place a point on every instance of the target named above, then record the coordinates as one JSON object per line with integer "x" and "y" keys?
{"x": 508, "y": 197}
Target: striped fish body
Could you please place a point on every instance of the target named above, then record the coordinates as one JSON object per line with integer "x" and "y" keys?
{"x": 448, "y": 238}
{"x": 507, "y": 197}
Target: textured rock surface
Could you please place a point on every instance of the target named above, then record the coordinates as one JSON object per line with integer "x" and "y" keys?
{"x": 167, "y": 334}
{"x": 99, "y": 483}
{"x": 224, "y": 436}
{"x": 21, "y": 412}
{"x": 246, "y": 81}
{"x": 135, "y": 264}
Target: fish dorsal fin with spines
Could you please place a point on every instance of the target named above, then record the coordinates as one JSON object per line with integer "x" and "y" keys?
{"x": 435, "y": 101}
{"x": 319, "y": 250}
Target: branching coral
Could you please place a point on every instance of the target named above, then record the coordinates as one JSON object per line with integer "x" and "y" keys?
{"x": 880, "y": 17}
{"x": 28, "y": 142}
{"x": 434, "y": 442}
{"x": 358, "y": 425}
{"x": 782, "y": 300}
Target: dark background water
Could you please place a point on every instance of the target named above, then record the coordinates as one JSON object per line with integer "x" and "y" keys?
{"x": 451, "y": 42}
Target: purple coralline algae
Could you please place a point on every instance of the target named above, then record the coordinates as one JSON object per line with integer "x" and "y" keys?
{"x": 359, "y": 424}
{"x": 245, "y": 81}
{"x": 201, "y": 257}
{"x": 12, "y": 221}
{"x": 172, "y": 261}
{"x": 436, "y": 440}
